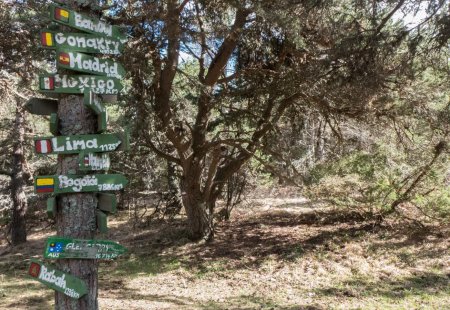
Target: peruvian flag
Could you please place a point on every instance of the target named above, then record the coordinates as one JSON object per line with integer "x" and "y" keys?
{"x": 43, "y": 146}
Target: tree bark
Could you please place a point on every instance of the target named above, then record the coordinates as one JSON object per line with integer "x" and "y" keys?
{"x": 198, "y": 212}
{"x": 75, "y": 216}
{"x": 18, "y": 228}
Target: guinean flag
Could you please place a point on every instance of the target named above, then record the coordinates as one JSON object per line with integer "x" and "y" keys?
{"x": 64, "y": 59}
{"x": 43, "y": 146}
{"x": 47, "y": 83}
{"x": 62, "y": 15}
{"x": 46, "y": 39}
{"x": 45, "y": 185}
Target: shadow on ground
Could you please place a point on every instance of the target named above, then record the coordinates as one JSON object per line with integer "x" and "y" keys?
{"x": 247, "y": 242}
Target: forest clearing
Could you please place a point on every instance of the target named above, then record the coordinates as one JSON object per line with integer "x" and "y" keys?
{"x": 224, "y": 154}
{"x": 273, "y": 254}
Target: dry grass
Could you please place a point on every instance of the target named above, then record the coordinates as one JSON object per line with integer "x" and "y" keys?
{"x": 282, "y": 257}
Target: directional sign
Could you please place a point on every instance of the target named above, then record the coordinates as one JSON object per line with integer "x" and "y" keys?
{"x": 75, "y": 144}
{"x": 57, "y": 280}
{"x": 102, "y": 222}
{"x": 107, "y": 202}
{"x": 54, "y": 124}
{"x": 94, "y": 161}
{"x": 51, "y": 207}
{"x": 76, "y": 84}
{"x": 92, "y": 101}
{"x": 89, "y": 64}
{"x": 84, "y": 23}
{"x": 59, "y": 247}
{"x": 81, "y": 42}
{"x": 42, "y": 106}
{"x": 72, "y": 183}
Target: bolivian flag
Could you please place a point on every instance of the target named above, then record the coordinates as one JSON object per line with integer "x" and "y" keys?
{"x": 64, "y": 59}
{"x": 47, "y": 83}
{"x": 47, "y": 39}
{"x": 62, "y": 15}
{"x": 44, "y": 185}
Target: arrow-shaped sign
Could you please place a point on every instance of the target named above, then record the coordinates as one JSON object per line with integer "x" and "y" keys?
{"x": 72, "y": 183}
{"x": 85, "y": 23}
{"x": 59, "y": 247}
{"x": 81, "y": 42}
{"x": 57, "y": 280}
{"x": 94, "y": 161}
{"x": 76, "y": 84}
{"x": 42, "y": 106}
{"x": 75, "y": 144}
{"x": 89, "y": 64}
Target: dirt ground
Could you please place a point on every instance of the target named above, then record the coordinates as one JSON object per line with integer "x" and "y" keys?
{"x": 272, "y": 254}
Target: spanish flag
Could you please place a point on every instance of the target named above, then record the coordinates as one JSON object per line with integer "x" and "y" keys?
{"x": 62, "y": 15}
{"x": 64, "y": 59}
{"x": 45, "y": 185}
{"x": 47, "y": 39}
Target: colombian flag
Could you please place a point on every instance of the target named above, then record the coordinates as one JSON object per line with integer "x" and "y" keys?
{"x": 47, "y": 83}
{"x": 47, "y": 39}
{"x": 44, "y": 185}
{"x": 64, "y": 59}
{"x": 62, "y": 15}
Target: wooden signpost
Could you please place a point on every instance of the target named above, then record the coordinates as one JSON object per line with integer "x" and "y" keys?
{"x": 78, "y": 143}
{"x": 99, "y": 76}
{"x": 57, "y": 280}
{"x": 84, "y": 23}
{"x": 73, "y": 183}
{"x": 59, "y": 247}
{"x": 81, "y": 42}
{"x": 76, "y": 84}
{"x": 89, "y": 64}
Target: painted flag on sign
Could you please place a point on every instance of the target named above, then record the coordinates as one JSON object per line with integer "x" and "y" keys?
{"x": 43, "y": 146}
{"x": 62, "y": 15}
{"x": 47, "y": 82}
{"x": 46, "y": 39}
{"x": 45, "y": 185}
{"x": 34, "y": 270}
{"x": 64, "y": 58}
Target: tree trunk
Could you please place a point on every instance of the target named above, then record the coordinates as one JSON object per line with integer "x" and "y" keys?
{"x": 198, "y": 211}
{"x": 75, "y": 217}
{"x": 18, "y": 228}
{"x": 174, "y": 203}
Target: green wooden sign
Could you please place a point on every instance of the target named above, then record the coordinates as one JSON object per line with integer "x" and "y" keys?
{"x": 76, "y": 84}
{"x": 102, "y": 122}
{"x": 57, "y": 280}
{"x": 94, "y": 161}
{"x": 81, "y": 42}
{"x": 93, "y": 102}
{"x": 85, "y": 23}
{"x": 42, "y": 106}
{"x": 77, "y": 143}
{"x": 107, "y": 202}
{"x": 102, "y": 222}
{"x": 72, "y": 183}
{"x": 51, "y": 207}
{"x": 89, "y": 64}
{"x": 54, "y": 124}
{"x": 59, "y": 247}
